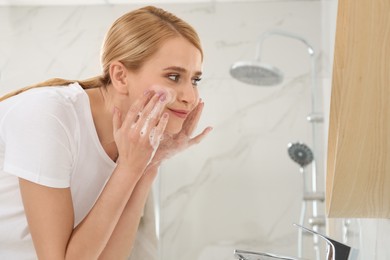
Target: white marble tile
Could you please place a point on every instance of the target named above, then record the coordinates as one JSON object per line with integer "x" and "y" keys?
{"x": 239, "y": 189}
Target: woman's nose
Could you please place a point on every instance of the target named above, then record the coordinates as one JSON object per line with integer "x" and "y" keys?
{"x": 187, "y": 94}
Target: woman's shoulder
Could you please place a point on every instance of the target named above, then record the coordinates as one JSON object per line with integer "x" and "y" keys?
{"x": 59, "y": 102}
{"x": 62, "y": 94}
{"x": 51, "y": 98}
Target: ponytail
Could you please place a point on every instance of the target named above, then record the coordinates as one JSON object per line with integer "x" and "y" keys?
{"x": 94, "y": 82}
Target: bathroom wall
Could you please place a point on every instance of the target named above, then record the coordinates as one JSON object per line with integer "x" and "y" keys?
{"x": 238, "y": 188}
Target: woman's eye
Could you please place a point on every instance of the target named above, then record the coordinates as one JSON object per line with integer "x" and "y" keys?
{"x": 195, "y": 81}
{"x": 174, "y": 77}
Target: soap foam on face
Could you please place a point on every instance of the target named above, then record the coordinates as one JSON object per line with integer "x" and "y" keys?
{"x": 170, "y": 96}
{"x": 169, "y": 93}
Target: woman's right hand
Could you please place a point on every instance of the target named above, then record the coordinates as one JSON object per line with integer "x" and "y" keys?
{"x": 138, "y": 133}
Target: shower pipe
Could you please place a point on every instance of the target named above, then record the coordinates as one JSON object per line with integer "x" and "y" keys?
{"x": 314, "y": 117}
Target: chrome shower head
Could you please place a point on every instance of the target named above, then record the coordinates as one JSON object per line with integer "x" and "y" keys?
{"x": 256, "y": 73}
{"x": 300, "y": 153}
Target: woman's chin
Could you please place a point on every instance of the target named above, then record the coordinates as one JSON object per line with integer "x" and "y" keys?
{"x": 173, "y": 129}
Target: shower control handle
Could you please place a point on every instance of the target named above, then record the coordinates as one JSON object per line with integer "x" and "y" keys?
{"x": 317, "y": 196}
{"x": 315, "y": 118}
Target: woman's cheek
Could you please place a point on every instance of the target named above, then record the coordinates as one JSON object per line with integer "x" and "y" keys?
{"x": 169, "y": 92}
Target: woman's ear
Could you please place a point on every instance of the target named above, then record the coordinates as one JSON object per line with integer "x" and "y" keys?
{"x": 118, "y": 75}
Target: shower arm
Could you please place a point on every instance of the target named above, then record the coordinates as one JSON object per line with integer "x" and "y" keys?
{"x": 310, "y": 50}
{"x": 265, "y": 35}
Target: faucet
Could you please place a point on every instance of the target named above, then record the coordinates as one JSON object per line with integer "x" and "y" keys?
{"x": 250, "y": 255}
{"x": 334, "y": 250}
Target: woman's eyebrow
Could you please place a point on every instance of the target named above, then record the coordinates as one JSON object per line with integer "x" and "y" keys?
{"x": 182, "y": 70}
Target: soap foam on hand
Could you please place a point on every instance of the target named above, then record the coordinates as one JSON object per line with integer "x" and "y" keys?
{"x": 170, "y": 97}
{"x": 170, "y": 94}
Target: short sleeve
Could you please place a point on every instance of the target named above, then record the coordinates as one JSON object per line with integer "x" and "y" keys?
{"x": 39, "y": 140}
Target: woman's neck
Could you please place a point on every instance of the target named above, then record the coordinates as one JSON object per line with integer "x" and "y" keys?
{"x": 101, "y": 108}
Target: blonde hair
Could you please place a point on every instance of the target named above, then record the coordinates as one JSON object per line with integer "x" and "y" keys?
{"x": 132, "y": 39}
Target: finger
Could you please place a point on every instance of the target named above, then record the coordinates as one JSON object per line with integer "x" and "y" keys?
{"x": 116, "y": 119}
{"x": 193, "y": 119}
{"x": 151, "y": 114}
{"x": 135, "y": 110}
{"x": 158, "y": 131}
{"x": 153, "y": 108}
{"x": 197, "y": 139}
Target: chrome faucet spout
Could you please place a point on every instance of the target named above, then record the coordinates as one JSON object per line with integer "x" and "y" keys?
{"x": 251, "y": 255}
{"x": 335, "y": 249}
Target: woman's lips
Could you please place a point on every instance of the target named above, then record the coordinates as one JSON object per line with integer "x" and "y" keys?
{"x": 178, "y": 112}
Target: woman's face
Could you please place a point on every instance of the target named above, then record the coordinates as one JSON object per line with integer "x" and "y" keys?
{"x": 176, "y": 70}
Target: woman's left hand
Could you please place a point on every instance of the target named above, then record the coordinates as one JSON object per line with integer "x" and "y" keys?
{"x": 170, "y": 145}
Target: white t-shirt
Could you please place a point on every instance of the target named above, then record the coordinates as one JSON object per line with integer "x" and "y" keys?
{"x": 47, "y": 136}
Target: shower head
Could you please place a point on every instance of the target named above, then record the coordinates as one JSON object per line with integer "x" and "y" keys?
{"x": 300, "y": 153}
{"x": 256, "y": 73}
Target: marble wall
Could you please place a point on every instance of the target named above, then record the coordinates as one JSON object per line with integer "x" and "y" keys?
{"x": 239, "y": 188}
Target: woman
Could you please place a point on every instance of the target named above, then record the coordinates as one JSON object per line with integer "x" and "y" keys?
{"x": 78, "y": 158}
